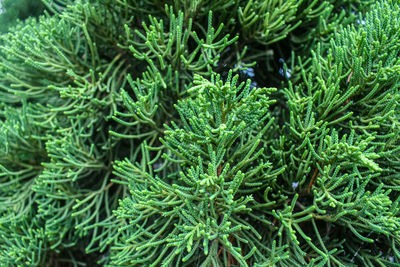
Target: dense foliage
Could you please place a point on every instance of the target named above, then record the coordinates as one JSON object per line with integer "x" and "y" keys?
{"x": 201, "y": 133}
{"x": 12, "y": 11}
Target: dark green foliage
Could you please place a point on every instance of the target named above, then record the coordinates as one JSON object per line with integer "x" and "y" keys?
{"x": 13, "y": 11}
{"x": 201, "y": 133}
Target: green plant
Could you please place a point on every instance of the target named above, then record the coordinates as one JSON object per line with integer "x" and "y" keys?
{"x": 201, "y": 133}
{"x": 12, "y": 11}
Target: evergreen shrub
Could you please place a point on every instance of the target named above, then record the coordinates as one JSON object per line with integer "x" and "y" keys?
{"x": 201, "y": 133}
{"x": 12, "y": 11}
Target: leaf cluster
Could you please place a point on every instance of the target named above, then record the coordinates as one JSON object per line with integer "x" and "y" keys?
{"x": 201, "y": 133}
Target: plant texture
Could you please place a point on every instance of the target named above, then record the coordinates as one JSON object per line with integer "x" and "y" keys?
{"x": 201, "y": 133}
{"x": 12, "y": 11}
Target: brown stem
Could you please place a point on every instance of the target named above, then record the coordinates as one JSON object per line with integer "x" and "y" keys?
{"x": 312, "y": 179}
{"x": 220, "y": 251}
{"x": 108, "y": 186}
{"x": 348, "y": 78}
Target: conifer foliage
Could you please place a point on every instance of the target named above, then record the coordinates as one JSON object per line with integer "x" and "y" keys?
{"x": 201, "y": 133}
{"x": 12, "y": 11}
